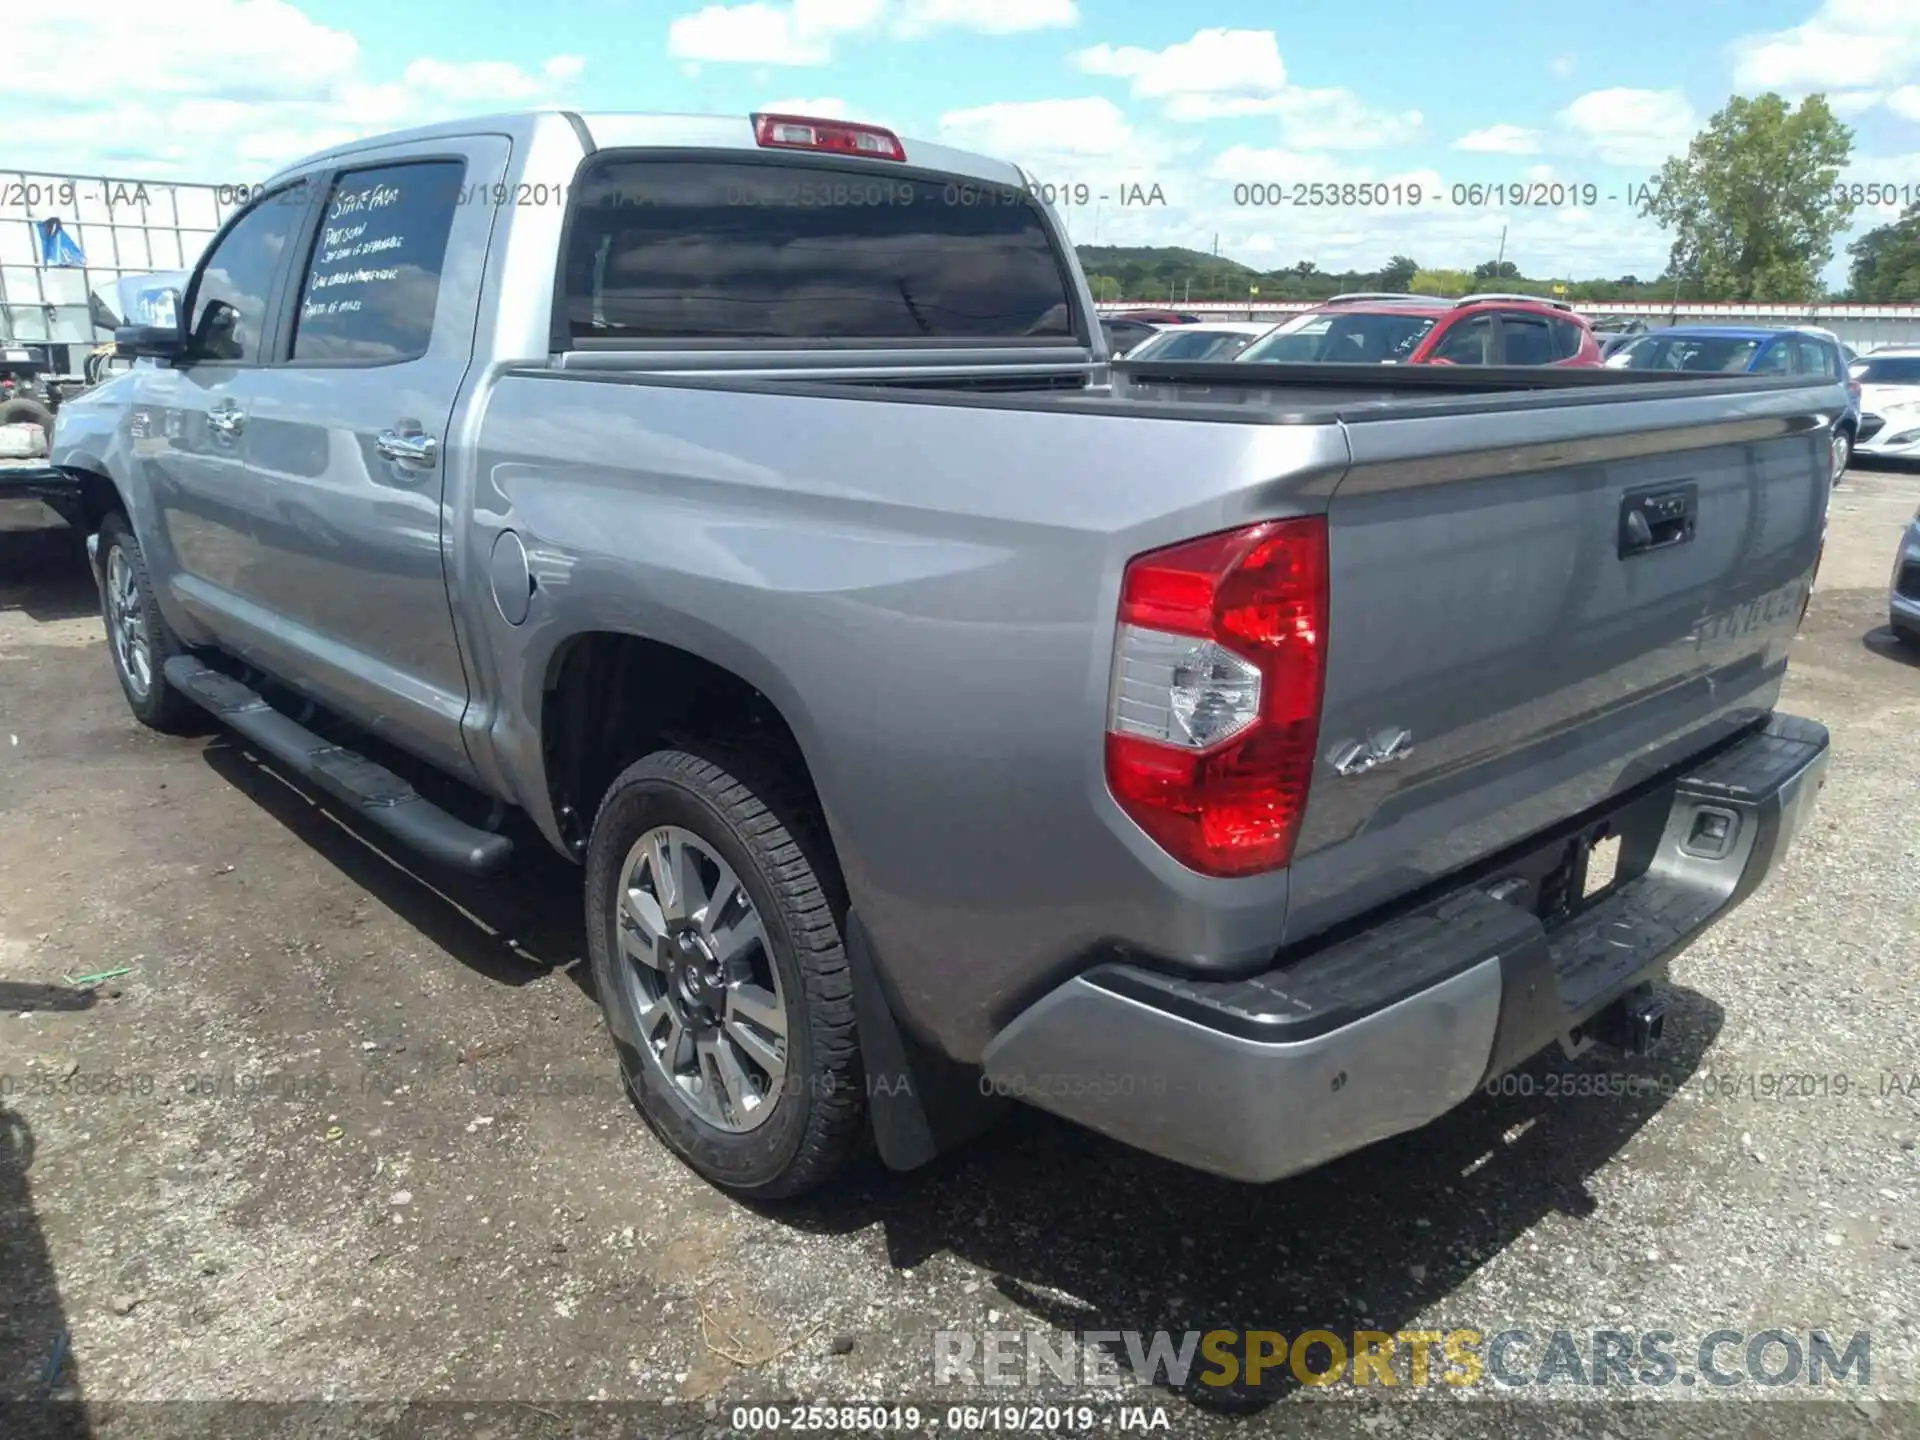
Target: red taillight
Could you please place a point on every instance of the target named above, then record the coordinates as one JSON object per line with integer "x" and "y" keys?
{"x": 1214, "y": 717}
{"x": 835, "y": 137}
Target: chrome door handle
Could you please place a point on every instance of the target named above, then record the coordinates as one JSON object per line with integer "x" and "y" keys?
{"x": 407, "y": 449}
{"x": 226, "y": 422}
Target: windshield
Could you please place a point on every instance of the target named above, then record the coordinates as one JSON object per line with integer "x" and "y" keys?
{"x": 1888, "y": 370}
{"x": 1690, "y": 352}
{"x": 1350, "y": 337}
{"x": 1189, "y": 344}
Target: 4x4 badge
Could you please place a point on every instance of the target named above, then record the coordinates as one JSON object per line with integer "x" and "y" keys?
{"x": 1355, "y": 757}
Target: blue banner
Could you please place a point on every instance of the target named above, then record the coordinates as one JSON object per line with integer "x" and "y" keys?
{"x": 57, "y": 248}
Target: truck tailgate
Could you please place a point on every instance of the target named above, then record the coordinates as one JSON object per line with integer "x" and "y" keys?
{"x": 1533, "y": 612}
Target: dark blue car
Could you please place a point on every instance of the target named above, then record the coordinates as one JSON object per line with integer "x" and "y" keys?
{"x": 1750, "y": 350}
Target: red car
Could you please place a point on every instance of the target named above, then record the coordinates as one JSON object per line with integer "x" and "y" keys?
{"x": 1157, "y": 317}
{"x": 1383, "y": 329}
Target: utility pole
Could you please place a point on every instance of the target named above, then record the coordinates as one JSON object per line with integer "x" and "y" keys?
{"x": 1501, "y": 258}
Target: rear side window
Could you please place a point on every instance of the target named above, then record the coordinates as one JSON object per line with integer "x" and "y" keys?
{"x": 665, "y": 249}
{"x": 1568, "y": 337}
{"x": 373, "y": 280}
{"x": 1818, "y": 358}
{"x": 1527, "y": 340}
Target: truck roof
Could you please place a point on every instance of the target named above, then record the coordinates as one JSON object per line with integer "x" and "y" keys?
{"x": 619, "y": 129}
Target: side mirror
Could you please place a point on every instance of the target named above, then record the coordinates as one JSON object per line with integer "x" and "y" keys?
{"x": 160, "y": 342}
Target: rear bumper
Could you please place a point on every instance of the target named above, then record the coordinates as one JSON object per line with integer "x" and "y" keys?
{"x": 1261, "y": 1078}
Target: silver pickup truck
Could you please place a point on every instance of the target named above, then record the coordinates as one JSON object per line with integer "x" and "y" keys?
{"x": 1244, "y": 761}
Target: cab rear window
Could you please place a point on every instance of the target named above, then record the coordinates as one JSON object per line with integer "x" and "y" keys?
{"x": 662, "y": 249}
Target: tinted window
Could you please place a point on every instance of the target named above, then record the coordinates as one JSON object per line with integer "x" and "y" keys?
{"x": 1568, "y": 337}
{"x": 1526, "y": 340}
{"x": 1187, "y": 344}
{"x": 1124, "y": 335}
{"x": 662, "y": 249}
{"x": 1776, "y": 359}
{"x": 1816, "y": 358}
{"x": 374, "y": 276}
{"x": 1684, "y": 352}
{"x": 1888, "y": 370}
{"x": 1469, "y": 342}
{"x": 1344, "y": 338}
{"x": 230, "y": 300}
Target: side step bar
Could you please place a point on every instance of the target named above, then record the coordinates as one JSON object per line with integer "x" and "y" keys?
{"x": 375, "y": 792}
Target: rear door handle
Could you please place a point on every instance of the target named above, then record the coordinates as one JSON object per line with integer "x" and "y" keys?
{"x": 417, "y": 450}
{"x": 1658, "y": 519}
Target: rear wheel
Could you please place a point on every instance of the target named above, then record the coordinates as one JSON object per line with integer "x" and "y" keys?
{"x": 138, "y": 636}
{"x": 22, "y": 411}
{"x": 719, "y": 964}
{"x": 1842, "y": 453}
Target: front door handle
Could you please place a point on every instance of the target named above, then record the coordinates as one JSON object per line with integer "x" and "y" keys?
{"x": 1658, "y": 519}
{"x": 416, "y": 450}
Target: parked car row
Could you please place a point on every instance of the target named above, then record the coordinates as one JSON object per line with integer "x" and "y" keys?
{"x": 1525, "y": 330}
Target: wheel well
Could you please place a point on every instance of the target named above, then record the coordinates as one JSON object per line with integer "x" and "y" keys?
{"x": 612, "y": 698}
{"x": 99, "y": 498}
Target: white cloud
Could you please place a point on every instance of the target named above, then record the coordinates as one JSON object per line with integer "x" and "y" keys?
{"x": 1090, "y": 129}
{"x": 1563, "y": 65}
{"x": 1631, "y": 127}
{"x": 1337, "y": 119}
{"x": 1845, "y": 45}
{"x": 1905, "y": 102}
{"x": 803, "y": 32}
{"x": 988, "y": 17}
{"x": 830, "y": 107}
{"x": 238, "y": 49}
{"x": 224, "y": 91}
{"x": 1501, "y": 140}
{"x": 1219, "y": 62}
{"x": 1224, "y": 74}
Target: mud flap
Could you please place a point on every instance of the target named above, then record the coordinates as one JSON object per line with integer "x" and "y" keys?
{"x": 922, "y": 1104}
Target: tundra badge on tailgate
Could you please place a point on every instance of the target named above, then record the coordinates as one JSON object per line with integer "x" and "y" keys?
{"x": 1355, "y": 757}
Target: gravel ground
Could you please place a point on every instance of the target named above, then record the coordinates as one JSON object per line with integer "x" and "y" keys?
{"x": 345, "y": 1133}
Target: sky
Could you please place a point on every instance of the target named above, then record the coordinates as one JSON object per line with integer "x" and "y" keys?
{"x": 1164, "y": 124}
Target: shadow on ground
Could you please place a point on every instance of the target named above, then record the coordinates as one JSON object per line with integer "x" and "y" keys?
{"x": 39, "y": 1378}
{"x": 43, "y": 567}
{"x": 1365, "y": 1243}
{"x": 513, "y": 927}
{"x": 1087, "y": 1235}
{"x": 1883, "y": 642}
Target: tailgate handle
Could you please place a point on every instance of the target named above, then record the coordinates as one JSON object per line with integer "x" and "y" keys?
{"x": 1657, "y": 519}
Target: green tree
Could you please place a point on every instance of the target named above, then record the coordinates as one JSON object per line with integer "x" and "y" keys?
{"x": 1399, "y": 274}
{"x": 1446, "y": 283}
{"x": 1886, "y": 261}
{"x": 1496, "y": 270}
{"x": 1753, "y": 205}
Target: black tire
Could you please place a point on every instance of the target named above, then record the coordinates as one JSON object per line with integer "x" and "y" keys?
{"x": 22, "y": 411}
{"x": 738, "y": 808}
{"x": 1842, "y": 453}
{"x": 156, "y": 705}
{"x": 1905, "y": 635}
